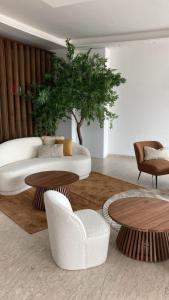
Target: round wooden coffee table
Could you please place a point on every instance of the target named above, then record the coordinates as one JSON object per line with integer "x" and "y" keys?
{"x": 144, "y": 234}
{"x": 50, "y": 180}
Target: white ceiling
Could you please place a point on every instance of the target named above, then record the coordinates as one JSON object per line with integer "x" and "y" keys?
{"x": 27, "y": 38}
{"x": 91, "y": 20}
{"x": 59, "y": 3}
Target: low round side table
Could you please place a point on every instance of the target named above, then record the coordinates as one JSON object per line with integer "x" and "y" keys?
{"x": 50, "y": 180}
{"x": 144, "y": 232}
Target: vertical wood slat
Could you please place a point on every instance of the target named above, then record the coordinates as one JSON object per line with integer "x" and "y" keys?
{"x": 3, "y": 84}
{"x": 9, "y": 76}
{"x": 33, "y": 72}
{"x": 1, "y": 131}
{"x": 28, "y": 81}
{"x": 22, "y": 85}
{"x": 42, "y": 63}
{"x": 38, "y": 67}
{"x": 151, "y": 247}
{"x": 135, "y": 244}
{"x": 48, "y": 62}
{"x": 16, "y": 91}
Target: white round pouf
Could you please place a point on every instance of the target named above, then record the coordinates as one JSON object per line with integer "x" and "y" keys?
{"x": 131, "y": 193}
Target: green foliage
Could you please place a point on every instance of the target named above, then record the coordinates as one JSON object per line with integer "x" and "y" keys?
{"x": 82, "y": 82}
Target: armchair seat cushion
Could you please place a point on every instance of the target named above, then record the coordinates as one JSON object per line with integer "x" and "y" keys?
{"x": 94, "y": 223}
{"x": 155, "y": 167}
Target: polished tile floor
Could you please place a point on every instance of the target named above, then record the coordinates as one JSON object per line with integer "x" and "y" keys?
{"x": 126, "y": 168}
{"x": 27, "y": 271}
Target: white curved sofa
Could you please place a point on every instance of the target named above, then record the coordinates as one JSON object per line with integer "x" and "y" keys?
{"x": 18, "y": 159}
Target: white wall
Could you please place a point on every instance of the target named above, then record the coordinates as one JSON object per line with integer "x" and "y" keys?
{"x": 143, "y": 105}
{"x": 65, "y": 129}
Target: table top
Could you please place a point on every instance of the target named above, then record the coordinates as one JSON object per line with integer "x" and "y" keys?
{"x": 51, "y": 179}
{"x": 141, "y": 213}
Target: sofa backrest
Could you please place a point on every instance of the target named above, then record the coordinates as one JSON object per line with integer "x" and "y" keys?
{"x": 19, "y": 149}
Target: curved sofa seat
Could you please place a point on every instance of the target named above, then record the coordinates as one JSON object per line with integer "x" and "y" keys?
{"x": 12, "y": 175}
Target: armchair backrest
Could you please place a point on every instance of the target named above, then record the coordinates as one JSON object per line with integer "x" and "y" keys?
{"x": 139, "y": 149}
{"x": 66, "y": 230}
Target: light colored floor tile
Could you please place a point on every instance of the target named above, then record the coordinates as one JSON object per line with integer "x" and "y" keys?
{"x": 27, "y": 271}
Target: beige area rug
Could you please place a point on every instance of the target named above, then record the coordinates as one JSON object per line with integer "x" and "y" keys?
{"x": 88, "y": 193}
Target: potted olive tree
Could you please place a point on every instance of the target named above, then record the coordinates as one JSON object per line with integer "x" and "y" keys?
{"x": 80, "y": 85}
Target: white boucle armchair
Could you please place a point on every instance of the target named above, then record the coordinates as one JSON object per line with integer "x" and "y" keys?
{"x": 19, "y": 158}
{"x": 78, "y": 240}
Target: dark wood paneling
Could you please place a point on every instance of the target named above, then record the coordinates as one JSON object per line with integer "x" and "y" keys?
{"x": 0, "y": 126}
{"x": 9, "y": 76}
{"x": 38, "y": 67}
{"x": 33, "y": 69}
{"x": 20, "y": 67}
{"x": 48, "y": 62}
{"x": 22, "y": 89}
{"x": 28, "y": 87}
{"x": 17, "y": 91}
{"x": 43, "y": 62}
{"x": 4, "y": 102}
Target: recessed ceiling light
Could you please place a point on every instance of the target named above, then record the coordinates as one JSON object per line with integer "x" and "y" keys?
{"x": 59, "y": 3}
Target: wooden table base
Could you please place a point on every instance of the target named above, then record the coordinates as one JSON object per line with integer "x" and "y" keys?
{"x": 144, "y": 246}
{"x": 38, "y": 201}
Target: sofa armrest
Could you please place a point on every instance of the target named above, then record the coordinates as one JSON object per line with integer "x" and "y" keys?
{"x": 78, "y": 149}
{"x": 84, "y": 151}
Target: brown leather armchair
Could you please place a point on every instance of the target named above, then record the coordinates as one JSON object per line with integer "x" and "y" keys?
{"x": 154, "y": 167}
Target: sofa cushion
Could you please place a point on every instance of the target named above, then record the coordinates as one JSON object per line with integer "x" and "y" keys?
{"x": 50, "y": 151}
{"x": 50, "y": 140}
{"x": 151, "y": 153}
{"x": 12, "y": 175}
{"x": 67, "y": 146}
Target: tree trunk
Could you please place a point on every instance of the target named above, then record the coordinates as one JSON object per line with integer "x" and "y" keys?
{"x": 79, "y": 133}
{"x": 78, "y": 127}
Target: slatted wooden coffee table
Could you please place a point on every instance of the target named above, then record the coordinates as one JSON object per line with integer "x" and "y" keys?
{"x": 50, "y": 180}
{"x": 144, "y": 234}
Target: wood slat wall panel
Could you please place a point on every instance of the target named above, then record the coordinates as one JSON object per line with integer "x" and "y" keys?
{"x": 48, "y": 62}
{"x": 0, "y": 124}
{"x": 3, "y": 85}
{"x": 22, "y": 89}
{"x": 28, "y": 87}
{"x": 9, "y": 77}
{"x": 43, "y": 62}
{"x": 16, "y": 91}
{"x": 38, "y": 67}
{"x": 33, "y": 69}
{"x": 20, "y": 66}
